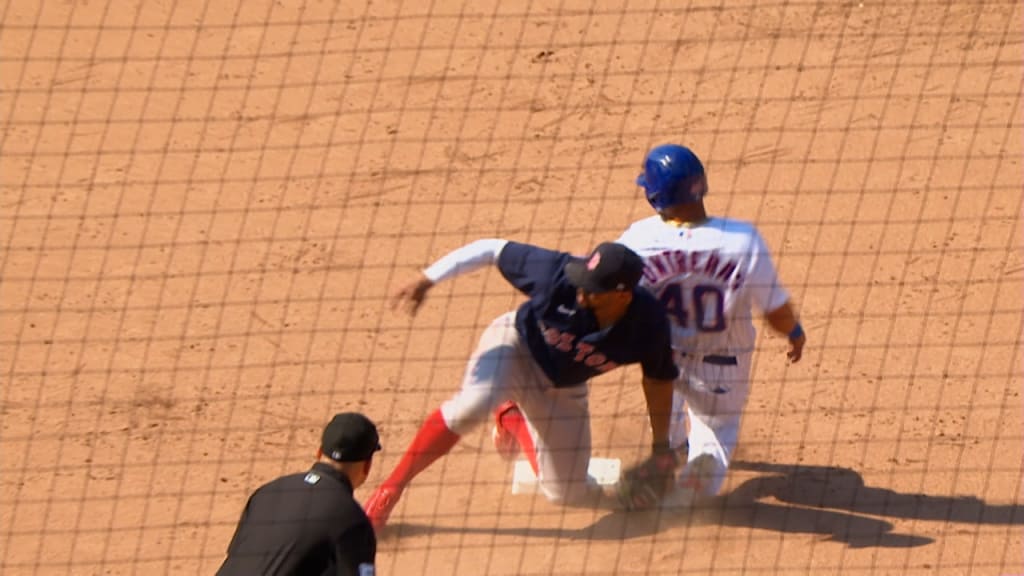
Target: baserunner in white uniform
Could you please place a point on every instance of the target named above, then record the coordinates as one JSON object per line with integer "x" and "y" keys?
{"x": 710, "y": 273}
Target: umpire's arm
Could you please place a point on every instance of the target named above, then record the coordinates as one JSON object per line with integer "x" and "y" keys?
{"x": 356, "y": 550}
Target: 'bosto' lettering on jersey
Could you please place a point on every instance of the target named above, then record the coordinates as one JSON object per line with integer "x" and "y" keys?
{"x": 708, "y": 263}
{"x": 586, "y": 353}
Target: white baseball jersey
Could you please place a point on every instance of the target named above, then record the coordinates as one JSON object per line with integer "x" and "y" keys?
{"x": 709, "y": 277}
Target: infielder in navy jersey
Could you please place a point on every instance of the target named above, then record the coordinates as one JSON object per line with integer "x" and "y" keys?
{"x": 584, "y": 317}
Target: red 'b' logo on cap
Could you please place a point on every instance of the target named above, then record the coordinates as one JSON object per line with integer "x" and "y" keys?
{"x": 594, "y": 261}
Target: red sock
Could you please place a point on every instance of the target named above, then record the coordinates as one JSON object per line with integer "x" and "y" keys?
{"x": 433, "y": 440}
{"x": 514, "y": 422}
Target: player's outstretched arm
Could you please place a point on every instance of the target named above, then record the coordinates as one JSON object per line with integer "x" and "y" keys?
{"x": 783, "y": 320}
{"x": 460, "y": 261}
{"x": 411, "y": 296}
{"x": 644, "y": 484}
{"x": 658, "y": 394}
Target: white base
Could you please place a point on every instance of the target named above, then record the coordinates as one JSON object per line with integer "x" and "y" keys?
{"x": 602, "y": 471}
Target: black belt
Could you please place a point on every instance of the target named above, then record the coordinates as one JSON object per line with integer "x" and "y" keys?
{"x": 715, "y": 359}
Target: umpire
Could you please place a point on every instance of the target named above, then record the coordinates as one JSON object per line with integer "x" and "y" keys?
{"x": 309, "y": 523}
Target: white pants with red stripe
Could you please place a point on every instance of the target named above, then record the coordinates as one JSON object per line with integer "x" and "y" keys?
{"x": 500, "y": 369}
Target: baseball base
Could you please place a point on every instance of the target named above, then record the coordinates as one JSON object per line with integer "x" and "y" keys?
{"x": 604, "y": 471}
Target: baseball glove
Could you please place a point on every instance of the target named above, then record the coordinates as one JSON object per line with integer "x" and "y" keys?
{"x": 646, "y": 483}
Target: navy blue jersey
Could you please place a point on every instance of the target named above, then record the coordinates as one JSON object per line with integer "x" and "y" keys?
{"x": 565, "y": 339}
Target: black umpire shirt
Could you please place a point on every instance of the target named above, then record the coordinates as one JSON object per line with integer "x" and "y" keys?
{"x": 303, "y": 524}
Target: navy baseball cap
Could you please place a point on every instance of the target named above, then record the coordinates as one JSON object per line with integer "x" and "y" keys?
{"x": 350, "y": 437}
{"x": 609, "y": 267}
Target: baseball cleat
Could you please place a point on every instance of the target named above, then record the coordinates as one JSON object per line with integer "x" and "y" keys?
{"x": 380, "y": 505}
{"x": 505, "y": 441}
{"x": 689, "y": 489}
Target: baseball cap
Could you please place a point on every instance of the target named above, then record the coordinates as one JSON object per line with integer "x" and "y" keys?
{"x": 350, "y": 437}
{"x": 609, "y": 267}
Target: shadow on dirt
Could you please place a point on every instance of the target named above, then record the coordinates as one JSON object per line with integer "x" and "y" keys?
{"x": 844, "y": 489}
{"x": 828, "y": 501}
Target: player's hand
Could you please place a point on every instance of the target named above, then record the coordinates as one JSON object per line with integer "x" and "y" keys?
{"x": 644, "y": 485}
{"x": 411, "y": 296}
{"x": 796, "y": 349}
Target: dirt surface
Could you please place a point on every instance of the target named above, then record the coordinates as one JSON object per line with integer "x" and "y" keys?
{"x": 204, "y": 206}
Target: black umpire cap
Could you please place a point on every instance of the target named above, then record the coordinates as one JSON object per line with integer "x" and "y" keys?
{"x": 609, "y": 267}
{"x": 350, "y": 437}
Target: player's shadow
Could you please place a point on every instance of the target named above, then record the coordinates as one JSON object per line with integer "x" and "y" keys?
{"x": 827, "y": 500}
{"x": 839, "y": 488}
{"x": 737, "y": 509}
{"x": 749, "y": 506}
{"x": 832, "y": 502}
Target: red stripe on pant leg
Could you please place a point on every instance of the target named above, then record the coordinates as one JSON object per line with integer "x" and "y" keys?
{"x": 433, "y": 441}
{"x": 514, "y": 422}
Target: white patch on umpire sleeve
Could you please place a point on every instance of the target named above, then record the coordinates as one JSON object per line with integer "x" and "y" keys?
{"x": 366, "y": 570}
{"x": 312, "y": 478}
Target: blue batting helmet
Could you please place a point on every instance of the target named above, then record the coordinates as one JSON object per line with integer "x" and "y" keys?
{"x": 670, "y": 172}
